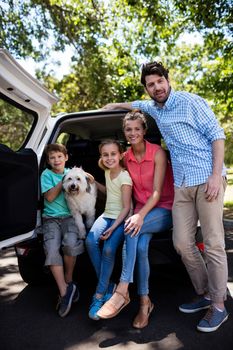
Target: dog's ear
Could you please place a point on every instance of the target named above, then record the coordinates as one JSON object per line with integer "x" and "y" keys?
{"x": 88, "y": 189}
{"x": 90, "y": 180}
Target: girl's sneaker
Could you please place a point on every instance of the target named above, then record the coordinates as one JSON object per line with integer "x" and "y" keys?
{"x": 94, "y": 308}
{"x": 111, "y": 289}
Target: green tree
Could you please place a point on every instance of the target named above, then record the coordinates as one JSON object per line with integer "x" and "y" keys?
{"x": 111, "y": 39}
{"x": 15, "y": 125}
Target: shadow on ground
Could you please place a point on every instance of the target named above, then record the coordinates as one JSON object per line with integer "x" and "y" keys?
{"x": 29, "y": 320}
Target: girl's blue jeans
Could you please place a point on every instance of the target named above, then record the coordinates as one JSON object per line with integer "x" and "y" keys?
{"x": 103, "y": 258}
{"x": 135, "y": 249}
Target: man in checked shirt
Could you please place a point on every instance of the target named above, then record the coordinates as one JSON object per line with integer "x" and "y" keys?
{"x": 196, "y": 144}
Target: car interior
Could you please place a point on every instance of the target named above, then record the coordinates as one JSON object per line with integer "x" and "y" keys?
{"x": 82, "y": 135}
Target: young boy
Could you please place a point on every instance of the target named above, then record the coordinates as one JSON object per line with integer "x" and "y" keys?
{"x": 60, "y": 231}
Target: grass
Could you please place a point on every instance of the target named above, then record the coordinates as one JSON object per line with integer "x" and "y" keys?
{"x": 228, "y": 198}
{"x": 230, "y": 177}
{"x": 228, "y": 203}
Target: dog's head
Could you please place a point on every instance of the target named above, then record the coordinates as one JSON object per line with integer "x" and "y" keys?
{"x": 76, "y": 181}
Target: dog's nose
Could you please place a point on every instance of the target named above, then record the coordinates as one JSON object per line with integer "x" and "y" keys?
{"x": 72, "y": 186}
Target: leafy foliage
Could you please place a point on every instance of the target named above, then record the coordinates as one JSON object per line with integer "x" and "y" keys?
{"x": 110, "y": 39}
{"x": 15, "y": 125}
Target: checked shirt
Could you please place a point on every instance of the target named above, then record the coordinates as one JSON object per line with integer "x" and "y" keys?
{"x": 188, "y": 127}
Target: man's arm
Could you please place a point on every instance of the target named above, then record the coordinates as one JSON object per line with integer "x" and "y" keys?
{"x": 214, "y": 181}
{"x": 218, "y": 156}
{"x": 118, "y": 105}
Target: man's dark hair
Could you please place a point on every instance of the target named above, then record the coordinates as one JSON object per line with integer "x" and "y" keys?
{"x": 152, "y": 68}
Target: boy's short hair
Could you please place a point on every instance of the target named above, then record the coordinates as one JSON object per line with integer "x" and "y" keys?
{"x": 55, "y": 147}
{"x": 153, "y": 68}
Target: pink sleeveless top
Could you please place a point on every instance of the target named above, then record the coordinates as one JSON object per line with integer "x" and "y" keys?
{"x": 142, "y": 174}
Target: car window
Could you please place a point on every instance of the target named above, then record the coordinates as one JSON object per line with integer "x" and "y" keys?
{"x": 16, "y": 123}
{"x": 63, "y": 138}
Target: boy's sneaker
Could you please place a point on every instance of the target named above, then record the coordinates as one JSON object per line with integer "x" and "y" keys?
{"x": 76, "y": 295}
{"x": 66, "y": 301}
{"x": 197, "y": 305}
{"x": 212, "y": 320}
{"x": 95, "y": 307}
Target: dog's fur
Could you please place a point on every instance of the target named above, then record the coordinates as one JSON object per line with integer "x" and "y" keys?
{"x": 80, "y": 194}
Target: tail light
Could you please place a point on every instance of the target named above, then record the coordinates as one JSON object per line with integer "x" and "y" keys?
{"x": 22, "y": 251}
{"x": 201, "y": 247}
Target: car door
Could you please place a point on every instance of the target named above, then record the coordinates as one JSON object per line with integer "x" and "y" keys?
{"x": 24, "y": 114}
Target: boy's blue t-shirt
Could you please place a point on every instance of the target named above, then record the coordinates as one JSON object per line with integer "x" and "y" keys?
{"x": 58, "y": 207}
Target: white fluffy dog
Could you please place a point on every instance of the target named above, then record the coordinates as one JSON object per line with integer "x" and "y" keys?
{"x": 80, "y": 194}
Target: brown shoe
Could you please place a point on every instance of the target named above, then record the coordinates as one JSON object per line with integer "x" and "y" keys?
{"x": 114, "y": 305}
{"x": 142, "y": 318}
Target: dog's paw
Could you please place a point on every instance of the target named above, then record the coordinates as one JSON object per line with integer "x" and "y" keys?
{"x": 89, "y": 222}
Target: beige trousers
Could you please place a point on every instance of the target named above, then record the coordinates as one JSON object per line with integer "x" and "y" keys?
{"x": 209, "y": 275}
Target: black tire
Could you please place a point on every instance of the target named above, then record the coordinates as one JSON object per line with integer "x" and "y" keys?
{"x": 31, "y": 266}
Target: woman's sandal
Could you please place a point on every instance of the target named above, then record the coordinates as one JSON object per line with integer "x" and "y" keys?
{"x": 142, "y": 318}
{"x": 114, "y": 305}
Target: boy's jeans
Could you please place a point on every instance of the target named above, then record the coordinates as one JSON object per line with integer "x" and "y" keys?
{"x": 157, "y": 220}
{"x": 103, "y": 260}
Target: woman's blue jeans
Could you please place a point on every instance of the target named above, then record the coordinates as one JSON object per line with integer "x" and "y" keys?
{"x": 135, "y": 249}
{"x": 103, "y": 259}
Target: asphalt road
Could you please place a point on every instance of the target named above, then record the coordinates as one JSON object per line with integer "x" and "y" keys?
{"x": 28, "y": 319}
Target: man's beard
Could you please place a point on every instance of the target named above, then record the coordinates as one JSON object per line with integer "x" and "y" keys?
{"x": 163, "y": 101}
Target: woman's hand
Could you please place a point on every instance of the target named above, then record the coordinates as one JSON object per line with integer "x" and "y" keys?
{"x": 133, "y": 224}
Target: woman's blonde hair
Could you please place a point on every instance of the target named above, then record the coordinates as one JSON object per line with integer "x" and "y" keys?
{"x": 135, "y": 114}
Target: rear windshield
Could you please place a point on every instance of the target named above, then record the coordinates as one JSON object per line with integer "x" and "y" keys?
{"x": 16, "y": 123}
